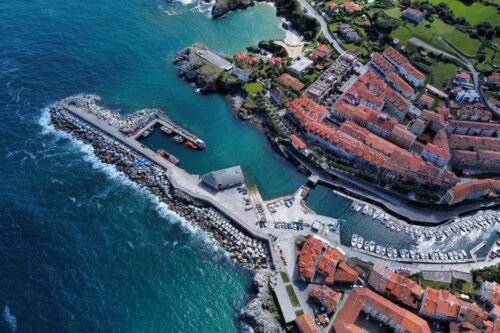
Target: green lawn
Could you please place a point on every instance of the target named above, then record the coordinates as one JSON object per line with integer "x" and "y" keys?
{"x": 464, "y": 42}
{"x": 284, "y": 276}
{"x": 474, "y": 13}
{"x": 253, "y": 88}
{"x": 292, "y": 295}
{"x": 434, "y": 284}
{"x": 426, "y": 31}
{"x": 393, "y": 12}
{"x": 441, "y": 73}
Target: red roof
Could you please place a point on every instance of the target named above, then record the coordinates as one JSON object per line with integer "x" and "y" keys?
{"x": 426, "y": 99}
{"x": 484, "y": 186}
{"x": 440, "y": 302}
{"x": 382, "y": 63}
{"x": 274, "y": 61}
{"x": 306, "y": 324}
{"x": 399, "y": 82}
{"x": 326, "y": 297}
{"x": 241, "y": 56}
{"x": 291, "y": 82}
{"x": 298, "y": 142}
{"x": 308, "y": 256}
{"x": 351, "y": 6}
{"x": 346, "y": 318}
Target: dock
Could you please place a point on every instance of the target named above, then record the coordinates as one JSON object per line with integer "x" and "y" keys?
{"x": 164, "y": 120}
{"x": 476, "y": 248}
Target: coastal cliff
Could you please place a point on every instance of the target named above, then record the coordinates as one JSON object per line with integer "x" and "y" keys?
{"x": 223, "y": 7}
{"x": 258, "y": 313}
{"x": 204, "y": 76}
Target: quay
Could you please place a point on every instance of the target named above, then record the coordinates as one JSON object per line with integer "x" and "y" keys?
{"x": 164, "y": 120}
{"x": 476, "y": 249}
{"x": 226, "y": 201}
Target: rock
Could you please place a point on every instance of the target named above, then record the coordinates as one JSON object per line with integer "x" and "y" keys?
{"x": 222, "y": 7}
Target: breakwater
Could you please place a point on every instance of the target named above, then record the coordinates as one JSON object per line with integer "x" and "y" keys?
{"x": 249, "y": 252}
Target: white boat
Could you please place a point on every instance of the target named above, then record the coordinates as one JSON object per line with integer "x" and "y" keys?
{"x": 455, "y": 255}
{"x": 376, "y": 214}
{"x": 358, "y": 207}
{"x": 372, "y": 246}
{"x": 389, "y": 252}
{"x": 365, "y": 210}
{"x": 360, "y": 242}
{"x": 382, "y": 250}
{"x": 366, "y": 245}
{"x": 394, "y": 253}
{"x": 354, "y": 240}
{"x": 370, "y": 211}
{"x": 464, "y": 254}
{"x": 377, "y": 249}
{"x": 393, "y": 227}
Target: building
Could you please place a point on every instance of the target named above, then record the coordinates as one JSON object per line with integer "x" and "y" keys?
{"x": 407, "y": 71}
{"x": 466, "y": 142}
{"x": 395, "y": 286}
{"x": 400, "y": 85}
{"x": 418, "y": 126}
{"x": 413, "y": 15}
{"x": 351, "y": 7}
{"x": 274, "y": 61}
{"x": 402, "y": 137}
{"x": 494, "y": 325}
{"x": 326, "y": 297}
{"x": 472, "y": 128}
{"x": 320, "y": 52}
{"x": 467, "y": 96}
{"x": 396, "y": 105}
{"x": 223, "y": 179}
{"x": 438, "y": 152}
{"x": 347, "y": 33}
{"x": 483, "y": 159}
{"x": 472, "y": 190}
{"x": 493, "y": 81}
{"x": 367, "y": 301}
{"x": 243, "y": 75}
{"x": 381, "y": 64}
{"x": 300, "y": 66}
{"x": 439, "y": 305}
{"x": 435, "y": 120}
{"x": 462, "y": 79}
{"x": 214, "y": 59}
{"x": 291, "y": 82}
{"x": 472, "y": 112}
{"x": 308, "y": 256}
{"x": 426, "y": 101}
{"x": 490, "y": 292}
{"x": 277, "y": 96}
{"x": 297, "y": 143}
{"x": 306, "y": 324}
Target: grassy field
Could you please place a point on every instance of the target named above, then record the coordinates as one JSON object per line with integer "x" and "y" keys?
{"x": 434, "y": 284}
{"x": 462, "y": 41}
{"x": 441, "y": 72}
{"x": 474, "y": 14}
{"x": 284, "y": 276}
{"x": 292, "y": 295}
{"x": 253, "y": 88}
{"x": 393, "y": 12}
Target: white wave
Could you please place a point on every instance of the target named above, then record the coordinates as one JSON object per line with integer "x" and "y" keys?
{"x": 457, "y": 241}
{"x": 110, "y": 170}
{"x": 10, "y": 319}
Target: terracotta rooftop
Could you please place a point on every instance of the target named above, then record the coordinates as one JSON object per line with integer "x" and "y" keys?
{"x": 462, "y": 191}
{"x": 433, "y": 116}
{"x": 326, "y": 296}
{"x": 428, "y": 100}
{"x": 291, "y": 82}
{"x": 440, "y": 302}
{"x": 359, "y": 297}
{"x": 295, "y": 139}
{"x": 382, "y": 63}
{"x": 306, "y": 324}
{"x": 308, "y": 257}
{"x": 474, "y": 142}
{"x": 401, "y": 83}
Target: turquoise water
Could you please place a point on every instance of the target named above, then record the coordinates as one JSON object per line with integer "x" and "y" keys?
{"x": 81, "y": 250}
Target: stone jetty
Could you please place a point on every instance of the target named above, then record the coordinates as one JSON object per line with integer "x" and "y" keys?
{"x": 249, "y": 252}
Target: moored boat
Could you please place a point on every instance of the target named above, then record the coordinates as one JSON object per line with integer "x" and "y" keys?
{"x": 354, "y": 240}
{"x": 171, "y": 158}
{"x": 191, "y": 145}
{"x": 372, "y": 246}
{"x": 166, "y": 130}
{"x": 178, "y": 139}
{"x": 360, "y": 242}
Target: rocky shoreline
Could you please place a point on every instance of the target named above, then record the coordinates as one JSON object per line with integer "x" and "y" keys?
{"x": 249, "y": 253}
{"x": 224, "y": 7}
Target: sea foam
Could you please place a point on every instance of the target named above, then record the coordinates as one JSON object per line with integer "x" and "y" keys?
{"x": 10, "y": 319}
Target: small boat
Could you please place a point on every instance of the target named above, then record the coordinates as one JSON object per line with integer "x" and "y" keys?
{"x": 389, "y": 252}
{"x": 366, "y": 245}
{"x": 178, "y": 139}
{"x": 360, "y": 242}
{"x": 171, "y": 158}
{"x": 370, "y": 211}
{"x": 365, "y": 210}
{"x": 394, "y": 253}
{"x": 464, "y": 254}
{"x": 382, "y": 250}
{"x": 191, "y": 145}
{"x": 166, "y": 130}
{"x": 199, "y": 143}
{"x": 372, "y": 246}
{"x": 399, "y": 227}
{"x": 147, "y": 132}
{"x": 377, "y": 249}
{"x": 353, "y": 206}
{"x": 358, "y": 208}
{"x": 376, "y": 214}
{"x": 354, "y": 240}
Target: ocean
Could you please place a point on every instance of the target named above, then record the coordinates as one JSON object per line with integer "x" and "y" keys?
{"x": 82, "y": 249}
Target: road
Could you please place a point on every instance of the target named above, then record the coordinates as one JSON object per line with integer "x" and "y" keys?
{"x": 465, "y": 61}
{"x": 324, "y": 25}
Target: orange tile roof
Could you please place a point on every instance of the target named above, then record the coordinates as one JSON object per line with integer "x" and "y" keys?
{"x": 295, "y": 139}
{"x": 326, "y": 297}
{"x": 345, "y": 274}
{"x": 291, "y": 82}
{"x": 440, "y": 302}
{"x": 346, "y": 318}
{"x": 439, "y": 146}
{"x": 351, "y": 6}
{"x": 274, "y": 60}
{"x": 306, "y": 324}
{"x": 398, "y": 81}
{"x": 308, "y": 257}
{"x": 464, "y": 142}
{"x": 485, "y": 186}
{"x": 241, "y": 56}
{"x": 400, "y": 132}
{"x": 428, "y": 100}
{"x": 382, "y": 63}
{"x": 433, "y": 116}
{"x": 399, "y": 59}
{"x": 399, "y": 101}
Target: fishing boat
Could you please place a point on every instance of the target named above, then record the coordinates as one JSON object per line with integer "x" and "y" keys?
{"x": 358, "y": 208}
{"x": 166, "y": 130}
{"x": 178, "y": 139}
{"x": 377, "y": 249}
{"x": 354, "y": 240}
{"x": 372, "y": 246}
{"x": 382, "y": 250}
{"x": 360, "y": 242}
{"x": 389, "y": 252}
{"x": 365, "y": 210}
{"x": 171, "y": 158}
{"x": 376, "y": 214}
{"x": 147, "y": 132}
{"x": 191, "y": 145}
{"x": 366, "y": 245}
{"x": 394, "y": 253}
